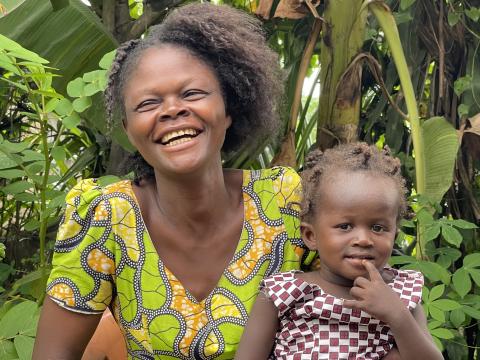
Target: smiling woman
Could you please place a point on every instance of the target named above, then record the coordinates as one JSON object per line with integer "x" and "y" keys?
{"x": 179, "y": 123}
{"x": 178, "y": 254}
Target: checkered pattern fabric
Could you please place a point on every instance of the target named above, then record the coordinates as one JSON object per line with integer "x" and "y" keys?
{"x": 315, "y": 325}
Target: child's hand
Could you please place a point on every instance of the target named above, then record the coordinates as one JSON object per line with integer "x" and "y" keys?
{"x": 375, "y": 297}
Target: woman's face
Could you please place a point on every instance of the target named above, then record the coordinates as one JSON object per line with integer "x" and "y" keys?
{"x": 175, "y": 113}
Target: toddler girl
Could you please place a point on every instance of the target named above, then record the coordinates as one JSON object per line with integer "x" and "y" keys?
{"x": 354, "y": 306}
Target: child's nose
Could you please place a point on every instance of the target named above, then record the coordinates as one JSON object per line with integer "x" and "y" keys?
{"x": 362, "y": 238}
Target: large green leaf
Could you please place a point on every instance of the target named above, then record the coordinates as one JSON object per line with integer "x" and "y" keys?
{"x": 441, "y": 146}
{"x": 72, "y": 38}
{"x": 7, "y": 350}
{"x": 18, "y": 319}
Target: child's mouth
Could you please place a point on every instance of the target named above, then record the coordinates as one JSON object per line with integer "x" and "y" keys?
{"x": 360, "y": 257}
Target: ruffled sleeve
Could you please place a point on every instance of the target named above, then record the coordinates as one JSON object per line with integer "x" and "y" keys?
{"x": 83, "y": 266}
{"x": 408, "y": 285}
{"x": 285, "y": 290}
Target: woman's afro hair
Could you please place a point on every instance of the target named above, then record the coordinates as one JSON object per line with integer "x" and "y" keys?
{"x": 232, "y": 43}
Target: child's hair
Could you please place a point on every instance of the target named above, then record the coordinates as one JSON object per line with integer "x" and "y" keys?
{"x": 349, "y": 157}
{"x": 233, "y": 45}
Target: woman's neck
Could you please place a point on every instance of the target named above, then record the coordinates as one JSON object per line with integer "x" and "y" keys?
{"x": 195, "y": 199}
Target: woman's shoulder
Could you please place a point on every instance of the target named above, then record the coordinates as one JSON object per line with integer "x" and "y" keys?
{"x": 276, "y": 173}
{"x": 283, "y": 183}
{"x": 87, "y": 190}
{"x": 89, "y": 198}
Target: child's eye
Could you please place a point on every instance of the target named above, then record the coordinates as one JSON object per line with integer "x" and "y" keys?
{"x": 377, "y": 228}
{"x": 344, "y": 227}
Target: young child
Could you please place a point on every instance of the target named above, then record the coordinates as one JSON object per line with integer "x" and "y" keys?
{"x": 354, "y": 306}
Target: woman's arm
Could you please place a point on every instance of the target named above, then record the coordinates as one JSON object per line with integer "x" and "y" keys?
{"x": 62, "y": 334}
{"x": 259, "y": 334}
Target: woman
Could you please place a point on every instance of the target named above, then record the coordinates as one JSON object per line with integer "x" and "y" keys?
{"x": 179, "y": 253}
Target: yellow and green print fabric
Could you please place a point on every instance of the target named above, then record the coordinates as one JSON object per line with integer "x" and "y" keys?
{"x": 104, "y": 257}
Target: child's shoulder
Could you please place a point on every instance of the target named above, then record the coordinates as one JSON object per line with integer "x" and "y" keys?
{"x": 280, "y": 278}
{"x": 403, "y": 274}
{"x": 285, "y": 289}
{"x": 408, "y": 284}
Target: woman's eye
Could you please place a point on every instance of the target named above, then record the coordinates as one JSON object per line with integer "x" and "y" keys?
{"x": 147, "y": 105}
{"x": 192, "y": 95}
{"x": 377, "y": 228}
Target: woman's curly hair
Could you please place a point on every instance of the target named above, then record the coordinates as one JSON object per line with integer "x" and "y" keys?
{"x": 349, "y": 157}
{"x": 232, "y": 43}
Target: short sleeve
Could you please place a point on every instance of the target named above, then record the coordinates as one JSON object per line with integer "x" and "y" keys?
{"x": 288, "y": 190}
{"x": 83, "y": 264}
{"x": 408, "y": 284}
{"x": 284, "y": 290}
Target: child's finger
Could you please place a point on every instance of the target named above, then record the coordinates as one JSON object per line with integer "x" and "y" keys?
{"x": 357, "y": 293}
{"x": 351, "y": 304}
{"x": 373, "y": 272}
{"x": 361, "y": 282}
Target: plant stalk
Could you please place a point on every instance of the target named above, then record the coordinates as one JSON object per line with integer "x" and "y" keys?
{"x": 386, "y": 21}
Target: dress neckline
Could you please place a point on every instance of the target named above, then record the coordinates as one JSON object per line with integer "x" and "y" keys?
{"x": 166, "y": 269}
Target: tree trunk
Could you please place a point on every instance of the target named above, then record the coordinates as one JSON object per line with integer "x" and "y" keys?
{"x": 340, "y": 81}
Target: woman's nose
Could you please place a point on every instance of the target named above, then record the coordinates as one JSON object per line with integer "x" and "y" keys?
{"x": 172, "y": 109}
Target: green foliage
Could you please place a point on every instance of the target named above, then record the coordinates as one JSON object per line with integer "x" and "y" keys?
{"x": 449, "y": 296}
{"x": 47, "y": 151}
{"x": 18, "y": 326}
{"x": 28, "y": 171}
{"x": 441, "y": 145}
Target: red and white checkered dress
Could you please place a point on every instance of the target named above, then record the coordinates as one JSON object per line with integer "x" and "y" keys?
{"x": 315, "y": 325}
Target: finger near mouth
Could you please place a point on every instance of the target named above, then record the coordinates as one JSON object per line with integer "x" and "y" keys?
{"x": 358, "y": 261}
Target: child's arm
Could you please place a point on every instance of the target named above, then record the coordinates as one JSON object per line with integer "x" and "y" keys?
{"x": 259, "y": 334}
{"x": 409, "y": 328}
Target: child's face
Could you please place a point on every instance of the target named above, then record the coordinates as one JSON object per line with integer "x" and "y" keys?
{"x": 355, "y": 220}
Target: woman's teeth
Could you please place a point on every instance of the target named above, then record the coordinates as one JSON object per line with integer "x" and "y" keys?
{"x": 179, "y": 141}
{"x": 178, "y": 137}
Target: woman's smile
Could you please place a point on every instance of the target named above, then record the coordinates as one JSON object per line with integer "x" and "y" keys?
{"x": 181, "y": 136}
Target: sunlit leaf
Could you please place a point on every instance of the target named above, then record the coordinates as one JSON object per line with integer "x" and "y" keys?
{"x": 461, "y": 282}
{"x": 451, "y": 235}
{"x": 17, "y": 319}
{"x": 442, "y": 333}
{"x": 11, "y": 174}
{"x": 441, "y": 145}
{"x": 457, "y": 317}
{"x": 17, "y": 187}
{"x": 436, "y": 292}
{"x": 24, "y": 346}
{"x": 472, "y": 260}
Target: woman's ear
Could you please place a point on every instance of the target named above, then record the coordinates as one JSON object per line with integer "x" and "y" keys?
{"x": 229, "y": 121}
{"x": 308, "y": 235}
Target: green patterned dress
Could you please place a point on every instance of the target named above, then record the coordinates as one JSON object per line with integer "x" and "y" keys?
{"x": 104, "y": 257}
